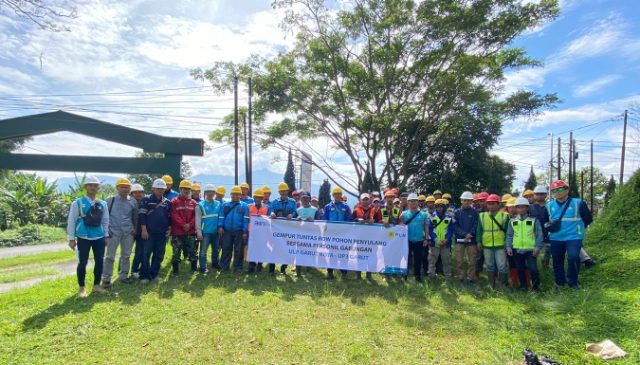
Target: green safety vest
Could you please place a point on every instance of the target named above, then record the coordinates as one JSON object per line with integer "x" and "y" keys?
{"x": 492, "y": 235}
{"x": 440, "y": 229}
{"x": 395, "y": 213}
{"x": 524, "y": 234}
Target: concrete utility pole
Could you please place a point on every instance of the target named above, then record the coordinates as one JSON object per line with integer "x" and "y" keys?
{"x": 624, "y": 142}
{"x": 559, "y": 158}
{"x": 551, "y": 161}
{"x": 570, "y": 178}
{"x": 591, "y": 179}
{"x": 249, "y": 148}
{"x": 235, "y": 125}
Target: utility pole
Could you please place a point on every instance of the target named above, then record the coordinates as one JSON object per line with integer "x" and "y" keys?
{"x": 559, "y": 158}
{"x": 624, "y": 142}
{"x": 570, "y": 178}
{"x": 551, "y": 161}
{"x": 582, "y": 185}
{"x": 235, "y": 125}
{"x": 591, "y": 179}
{"x": 250, "y": 140}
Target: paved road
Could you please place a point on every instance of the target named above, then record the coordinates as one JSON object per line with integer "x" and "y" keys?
{"x": 7, "y": 252}
{"x": 64, "y": 269}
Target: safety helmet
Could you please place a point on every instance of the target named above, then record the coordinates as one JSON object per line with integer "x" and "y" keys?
{"x": 505, "y": 198}
{"x": 430, "y": 199}
{"x": 283, "y": 186}
{"x": 167, "y": 179}
{"x": 159, "y": 184}
{"x": 336, "y": 190}
{"x": 540, "y": 189}
{"x": 511, "y": 202}
{"x": 422, "y": 197}
{"x": 244, "y": 185}
{"x": 266, "y": 189}
{"x": 412, "y": 196}
{"x": 442, "y": 202}
{"x": 209, "y": 187}
{"x": 185, "y": 184}
{"x": 527, "y": 193}
{"x": 236, "y": 190}
{"x": 123, "y": 181}
{"x": 259, "y": 193}
{"x": 466, "y": 196}
{"x": 558, "y": 184}
{"x": 91, "y": 180}
{"x": 446, "y": 196}
{"x": 221, "y": 190}
{"x": 493, "y": 198}
{"x": 136, "y": 187}
{"x": 522, "y": 201}
{"x": 483, "y": 195}
{"x": 437, "y": 192}
{"x": 196, "y": 187}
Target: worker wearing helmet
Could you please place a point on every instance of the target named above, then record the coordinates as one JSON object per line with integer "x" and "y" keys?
{"x": 256, "y": 209}
{"x": 266, "y": 190}
{"x": 246, "y": 198}
{"x": 441, "y": 237}
{"x": 465, "y": 227}
{"x": 137, "y": 193}
{"x": 568, "y": 219}
{"x": 430, "y": 204}
{"x": 233, "y": 227}
{"x": 221, "y": 191}
{"x": 285, "y": 208}
{"x": 195, "y": 192}
{"x": 390, "y": 213}
{"x": 183, "y": 228}
{"x": 336, "y": 211}
{"x": 524, "y": 242}
{"x": 418, "y": 223}
{"x": 538, "y": 210}
{"x": 529, "y": 195}
{"x": 169, "y": 193}
{"x": 207, "y": 216}
{"x": 491, "y": 236}
{"x": 155, "y": 226}
{"x": 123, "y": 222}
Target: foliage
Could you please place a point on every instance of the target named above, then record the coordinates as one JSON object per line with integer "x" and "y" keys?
{"x": 532, "y": 182}
{"x": 610, "y": 190}
{"x": 31, "y": 199}
{"x": 324, "y": 195}
{"x": 383, "y": 79}
{"x": 146, "y": 180}
{"x": 290, "y": 174}
{"x": 622, "y": 210}
{"x": 32, "y": 234}
{"x": 48, "y": 15}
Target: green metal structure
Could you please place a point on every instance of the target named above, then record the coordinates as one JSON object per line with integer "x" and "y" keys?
{"x": 173, "y": 148}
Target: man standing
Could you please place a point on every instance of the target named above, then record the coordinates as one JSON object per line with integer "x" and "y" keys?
{"x": 524, "y": 242}
{"x": 365, "y": 213}
{"x": 87, "y": 227}
{"x": 465, "y": 226}
{"x": 418, "y": 223}
{"x": 390, "y": 213}
{"x": 155, "y": 226}
{"x": 336, "y": 211}
{"x": 220, "y": 193}
{"x": 123, "y": 220}
{"x": 284, "y": 207}
{"x": 233, "y": 226}
{"x": 257, "y": 208}
{"x": 207, "y": 228}
{"x": 246, "y": 198}
{"x": 568, "y": 219}
{"x": 169, "y": 193}
{"x": 183, "y": 227}
{"x": 538, "y": 210}
{"x": 491, "y": 236}
{"x": 441, "y": 237}
{"x": 137, "y": 192}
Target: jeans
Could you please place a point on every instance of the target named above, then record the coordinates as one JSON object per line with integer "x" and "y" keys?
{"x": 417, "y": 250}
{"x": 471, "y": 250}
{"x": 84, "y": 246}
{"x": 232, "y": 245}
{"x": 209, "y": 239}
{"x": 137, "y": 255}
{"x": 572, "y": 249}
{"x": 152, "y": 255}
{"x": 125, "y": 242}
{"x": 495, "y": 259}
{"x": 525, "y": 260}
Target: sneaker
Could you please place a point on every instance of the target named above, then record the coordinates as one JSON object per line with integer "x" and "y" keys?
{"x": 98, "y": 289}
{"x": 82, "y": 292}
{"x": 135, "y": 275}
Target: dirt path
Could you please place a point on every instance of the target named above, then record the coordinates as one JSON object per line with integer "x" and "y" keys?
{"x": 7, "y": 252}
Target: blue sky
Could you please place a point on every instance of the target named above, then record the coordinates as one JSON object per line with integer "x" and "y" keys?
{"x": 591, "y": 55}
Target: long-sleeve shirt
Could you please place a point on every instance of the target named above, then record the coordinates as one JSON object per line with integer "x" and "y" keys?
{"x": 155, "y": 214}
{"x": 282, "y": 208}
{"x": 418, "y": 226}
{"x": 183, "y": 211}
{"x": 337, "y": 212}
{"x": 465, "y": 221}
{"x": 541, "y": 213}
{"x": 123, "y": 214}
{"x": 536, "y": 228}
{"x": 74, "y": 215}
{"x": 234, "y": 217}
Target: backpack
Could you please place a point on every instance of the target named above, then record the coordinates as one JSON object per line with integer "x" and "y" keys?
{"x": 93, "y": 217}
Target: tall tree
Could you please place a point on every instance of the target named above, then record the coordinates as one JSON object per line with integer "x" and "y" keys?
{"x": 290, "y": 174}
{"x": 381, "y": 79}
{"x": 610, "y": 190}
{"x": 532, "y": 182}
{"x": 48, "y": 15}
{"x": 324, "y": 195}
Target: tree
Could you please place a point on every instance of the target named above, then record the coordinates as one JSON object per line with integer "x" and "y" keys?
{"x": 532, "y": 182}
{"x": 609, "y": 191}
{"x": 290, "y": 174}
{"x": 599, "y": 186}
{"x": 45, "y": 14}
{"x": 324, "y": 195}
{"x": 146, "y": 180}
{"x": 381, "y": 79}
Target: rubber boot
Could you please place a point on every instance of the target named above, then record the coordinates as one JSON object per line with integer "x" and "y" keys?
{"x": 504, "y": 280}
{"x": 515, "y": 283}
{"x": 528, "y": 276}
{"x": 175, "y": 267}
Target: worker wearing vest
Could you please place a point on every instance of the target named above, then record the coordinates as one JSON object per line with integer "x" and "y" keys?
{"x": 440, "y": 243}
{"x": 389, "y": 212}
{"x": 207, "y": 228}
{"x": 491, "y": 235}
{"x": 233, "y": 227}
{"x": 336, "y": 211}
{"x": 183, "y": 227}
{"x": 257, "y": 208}
{"x": 364, "y": 212}
{"x": 568, "y": 238}
{"x": 524, "y": 242}
{"x": 283, "y": 207}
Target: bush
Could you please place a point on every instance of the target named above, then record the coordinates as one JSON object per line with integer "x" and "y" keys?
{"x": 31, "y": 234}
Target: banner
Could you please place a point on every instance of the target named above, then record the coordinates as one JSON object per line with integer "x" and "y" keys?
{"x": 336, "y": 245}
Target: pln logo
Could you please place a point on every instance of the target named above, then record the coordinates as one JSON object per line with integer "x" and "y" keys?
{"x": 391, "y": 234}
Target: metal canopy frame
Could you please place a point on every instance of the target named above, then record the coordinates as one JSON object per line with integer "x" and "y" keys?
{"x": 32, "y": 125}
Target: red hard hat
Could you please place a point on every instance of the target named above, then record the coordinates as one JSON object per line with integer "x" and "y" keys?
{"x": 295, "y": 192}
{"x": 483, "y": 195}
{"x": 493, "y": 198}
{"x": 475, "y": 197}
{"x": 558, "y": 184}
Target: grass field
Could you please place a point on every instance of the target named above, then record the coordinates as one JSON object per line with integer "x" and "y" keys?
{"x": 258, "y": 319}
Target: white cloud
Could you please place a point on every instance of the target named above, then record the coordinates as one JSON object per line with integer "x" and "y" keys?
{"x": 595, "y": 85}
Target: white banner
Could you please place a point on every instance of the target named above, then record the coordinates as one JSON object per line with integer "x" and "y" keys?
{"x": 336, "y": 245}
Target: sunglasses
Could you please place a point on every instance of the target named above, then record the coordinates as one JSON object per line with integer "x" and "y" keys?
{"x": 558, "y": 190}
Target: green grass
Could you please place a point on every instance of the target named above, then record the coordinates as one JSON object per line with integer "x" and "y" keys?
{"x": 32, "y": 234}
{"x": 20, "y": 275}
{"x": 40, "y": 259}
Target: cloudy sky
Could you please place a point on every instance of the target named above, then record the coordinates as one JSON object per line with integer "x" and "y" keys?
{"x": 128, "y": 62}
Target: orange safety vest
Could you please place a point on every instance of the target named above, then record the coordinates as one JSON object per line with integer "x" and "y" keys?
{"x": 255, "y": 211}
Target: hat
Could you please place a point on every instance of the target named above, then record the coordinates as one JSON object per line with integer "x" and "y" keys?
{"x": 283, "y": 186}
{"x": 91, "y": 180}
{"x": 266, "y": 189}
{"x": 540, "y": 189}
{"x": 405, "y": 195}
{"x": 422, "y": 198}
{"x": 466, "y": 196}
{"x": 259, "y": 193}
{"x": 185, "y": 184}
{"x": 511, "y": 202}
{"x": 442, "y": 202}
{"x": 505, "y": 198}
{"x": 528, "y": 192}
{"x": 389, "y": 193}
{"x": 336, "y": 190}
{"x": 314, "y": 198}
{"x": 412, "y": 196}
{"x": 167, "y": 179}
{"x": 221, "y": 190}
{"x": 375, "y": 199}
{"x": 295, "y": 192}
{"x": 364, "y": 196}
{"x": 430, "y": 199}
{"x": 304, "y": 194}
{"x": 159, "y": 184}
{"x": 446, "y": 196}
{"x": 522, "y": 201}
{"x": 136, "y": 187}
{"x": 396, "y": 200}
{"x": 236, "y": 190}
{"x": 244, "y": 185}
{"x": 123, "y": 181}
{"x": 437, "y": 192}
{"x": 196, "y": 187}
{"x": 209, "y": 187}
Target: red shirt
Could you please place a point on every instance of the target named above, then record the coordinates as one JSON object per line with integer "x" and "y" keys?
{"x": 183, "y": 211}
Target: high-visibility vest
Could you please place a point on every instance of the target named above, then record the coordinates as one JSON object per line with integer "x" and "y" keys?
{"x": 492, "y": 235}
{"x": 253, "y": 210}
{"x": 209, "y": 219}
{"x": 441, "y": 226}
{"x": 395, "y": 213}
{"x": 524, "y": 234}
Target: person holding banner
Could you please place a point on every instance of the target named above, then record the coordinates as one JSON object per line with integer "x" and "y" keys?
{"x": 233, "y": 226}
{"x": 418, "y": 223}
{"x": 257, "y": 208}
{"x": 306, "y": 212}
{"x": 284, "y": 207}
{"x": 337, "y": 211}
{"x": 365, "y": 213}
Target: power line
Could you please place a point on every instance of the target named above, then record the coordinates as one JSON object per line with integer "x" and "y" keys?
{"x": 106, "y": 93}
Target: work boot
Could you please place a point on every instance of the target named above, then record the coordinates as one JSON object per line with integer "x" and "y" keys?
{"x": 330, "y": 276}
{"x": 175, "y": 267}
{"x": 504, "y": 279}
{"x": 589, "y": 263}
{"x": 369, "y": 276}
{"x": 194, "y": 267}
{"x": 492, "y": 280}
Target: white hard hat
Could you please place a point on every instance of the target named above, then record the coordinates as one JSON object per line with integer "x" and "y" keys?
{"x": 209, "y": 187}
{"x": 136, "y": 187}
{"x": 412, "y": 196}
{"x": 159, "y": 184}
{"x": 522, "y": 201}
{"x": 364, "y": 196}
{"x": 91, "y": 180}
{"x": 540, "y": 189}
{"x": 467, "y": 195}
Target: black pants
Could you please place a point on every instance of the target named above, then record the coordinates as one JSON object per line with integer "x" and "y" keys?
{"x": 343, "y": 272}
{"x": 138, "y": 254}
{"x": 232, "y": 245}
{"x": 272, "y": 268}
{"x": 84, "y": 246}
{"x": 525, "y": 261}
{"x": 417, "y": 251}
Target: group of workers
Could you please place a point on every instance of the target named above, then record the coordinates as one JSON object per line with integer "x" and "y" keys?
{"x": 503, "y": 234}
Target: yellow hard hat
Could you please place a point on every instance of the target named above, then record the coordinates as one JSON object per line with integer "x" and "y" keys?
{"x": 528, "y": 192}
{"x": 220, "y": 190}
{"x": 422, "y": 198}
{"x": 244, "y": 185}
{"x": 196, "y": 186}
{"x": 511, "y": 202}
{"x": 259, "y": 193}
{"x": 430, "y": 199}
{"x": 437, "y": 192}
{"x": 442, "y": 202}
{"x": 283, "y": 186}
{"x": 185, "y": 184}
{"x": 505, "y": 198}
{"x": 123, "y": 181}
{"x": 446, "y": 196}
{"x": 236, "y": 190}
{"x": 167, "y": 179}
{"x": 266, "y": 189}
{"x": 336, "y": 190}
